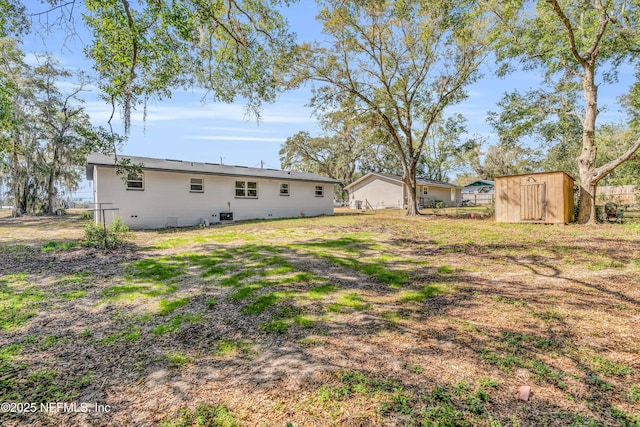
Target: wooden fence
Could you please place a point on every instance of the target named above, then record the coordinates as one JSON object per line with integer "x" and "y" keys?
{"x": 479, "y": 199}
{"x": 619, "y": 194}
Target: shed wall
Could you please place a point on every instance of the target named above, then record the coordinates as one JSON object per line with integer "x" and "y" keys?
{"x": 546, "y": 198}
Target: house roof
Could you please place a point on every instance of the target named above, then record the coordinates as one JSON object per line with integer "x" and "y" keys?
{"x": 419, "y": 181}
{"x": 185, "y": 166}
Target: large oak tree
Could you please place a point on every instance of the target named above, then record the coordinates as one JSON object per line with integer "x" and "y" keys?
{"x": 399, "y": 63}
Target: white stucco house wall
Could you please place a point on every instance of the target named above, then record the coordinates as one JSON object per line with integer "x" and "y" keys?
{"x": 176, "y": 193}
{"x": 382, "y": 191}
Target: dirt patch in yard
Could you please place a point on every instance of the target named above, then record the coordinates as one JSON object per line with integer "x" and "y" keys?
{"x": 350, "y": 320}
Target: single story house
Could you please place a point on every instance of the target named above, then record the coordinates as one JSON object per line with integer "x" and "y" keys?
{"x": 479, "y": 192}
{"x": 381, "y": 191}
{"x": 176, "y": 193}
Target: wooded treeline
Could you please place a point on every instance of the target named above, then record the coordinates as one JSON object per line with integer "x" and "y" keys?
{"x": 385, "y": 84}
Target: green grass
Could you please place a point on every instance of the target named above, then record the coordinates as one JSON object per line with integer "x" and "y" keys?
{"x": 351, "y": 300}
{"x": 167, "y": 306}
{"x": 416, "y": 369}
{"x": 445, "y": 269}
{"x": 19, "y": 301}
{"x": 157, "y": 270}
{"x": 177, "y": 359}
{"x": 54, "y": 245}
{"x": 633, "y": 394}
{"x": 425, "y": 293}
{"x": 303, "y": 320}
{"x": 353, "y": 252}
{"x": 235, "y": 279}
{"x": 379, "y": 272}
{"x": 8, "y": 352}
{"x": 70, "y": 296}
{"x": 624, "y": 418}
{"x": 203, "y": 415}
{"x": 37, "y": 386}
{"x": 174, "y": 323}
{"x": 459, "y": 405}
{"x": 603, "y": 366}
{"x": 318, "y": 292}
{"x": 278, "y": 271}
{"x": 131, "y": 334}
{"x": 286, "y": 317}
{"x": 227, "y": 348}
{"x": 133, "y": 292}
{"x": 275, "y": 326}
{"x": 49, "y": 341}
{"x": 261, "y": 303}
{"x": 81, "y": 278}
{"x": 311, "y": 341}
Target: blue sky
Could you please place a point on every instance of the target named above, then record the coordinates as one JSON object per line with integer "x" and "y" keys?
{"x": 185, "y": 127}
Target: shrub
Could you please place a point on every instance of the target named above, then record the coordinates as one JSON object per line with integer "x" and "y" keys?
{"x": 110, "y": 237}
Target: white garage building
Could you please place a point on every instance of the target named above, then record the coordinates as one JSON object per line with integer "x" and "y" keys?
{"x": 381, "y": 191}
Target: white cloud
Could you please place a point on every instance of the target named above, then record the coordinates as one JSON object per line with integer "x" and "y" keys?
{"x": 234, "y": 138}
{"x": 276, "y": 113}
{"x": 234, "y": 129}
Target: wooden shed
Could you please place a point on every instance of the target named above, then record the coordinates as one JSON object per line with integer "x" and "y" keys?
{"x": 544, "y": 197}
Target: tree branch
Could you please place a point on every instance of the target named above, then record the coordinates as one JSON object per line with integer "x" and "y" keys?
{"x": 567, "y": 24}
{"x": 607, "y": 168}
{"x": 51, "y": 9}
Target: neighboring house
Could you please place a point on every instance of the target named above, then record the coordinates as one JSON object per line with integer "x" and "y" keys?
{"x": 176, "y": 193}
{"x": 380, "y": 191}
{"x": 479, "y": 192}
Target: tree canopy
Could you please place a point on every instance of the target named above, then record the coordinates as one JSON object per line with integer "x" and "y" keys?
{"x": 232, "y": 48}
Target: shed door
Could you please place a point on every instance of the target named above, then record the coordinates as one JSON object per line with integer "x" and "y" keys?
{"x": 533, "y": 200}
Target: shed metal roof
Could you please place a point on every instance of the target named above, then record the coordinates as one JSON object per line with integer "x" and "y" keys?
{"x": 185, "y": 166}
{"x": 481, "y": 183}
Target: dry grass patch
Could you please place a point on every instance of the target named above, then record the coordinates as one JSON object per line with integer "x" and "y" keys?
{"x": 349, "y": 320}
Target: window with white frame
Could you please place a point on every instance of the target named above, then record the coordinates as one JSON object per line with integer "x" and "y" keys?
{"x": 196, "y": 185}
{"x": 319, "y": 191}
{"x": 425, "y": 191}
{"x": 284, "y": 189}
{"x": 135, "y": 181}
{"x": 247, "y": 189}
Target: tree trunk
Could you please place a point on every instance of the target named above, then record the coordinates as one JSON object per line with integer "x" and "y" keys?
{"x": 51, "y": 190}
{"x": 587, "y": 212}
{"x": 51, "y": 193}
{"x": 410, "y": 187}
{"x": 587, "y": 159}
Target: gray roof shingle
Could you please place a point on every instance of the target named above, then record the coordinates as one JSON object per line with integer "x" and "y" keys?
{"x": 419, "y": 181}
{"x": 170, "y": 165}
